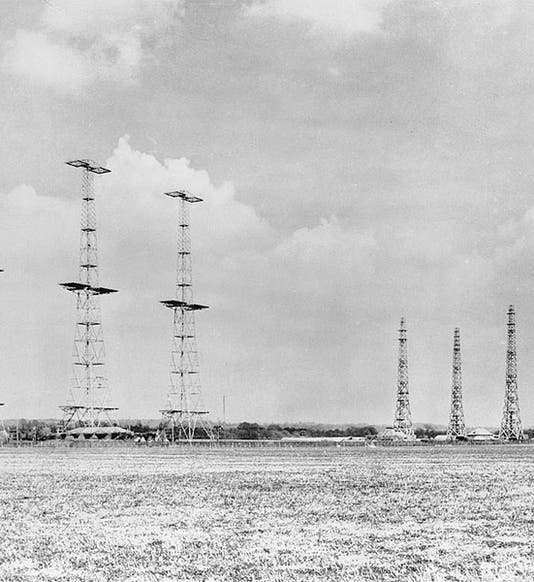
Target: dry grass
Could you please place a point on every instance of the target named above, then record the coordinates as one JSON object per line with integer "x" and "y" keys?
{"x": 433, "y": 514}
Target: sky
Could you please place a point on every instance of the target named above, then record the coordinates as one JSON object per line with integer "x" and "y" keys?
{"x": 360, "y": 161}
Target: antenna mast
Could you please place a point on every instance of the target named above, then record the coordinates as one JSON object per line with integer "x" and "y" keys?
{"x": 185, "y": 415}
{"x": 456, "y": 426}
{"x": 511, "y": 429}
{"x": 88, "y": 403}
{"x": 403, "y": 417}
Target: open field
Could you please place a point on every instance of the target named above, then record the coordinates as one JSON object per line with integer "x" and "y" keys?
{"x": 304, "y": 514}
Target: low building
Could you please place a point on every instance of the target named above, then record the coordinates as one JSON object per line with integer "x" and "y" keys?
{"x": 481, "y": 435}
{"x": 98, "y": 433}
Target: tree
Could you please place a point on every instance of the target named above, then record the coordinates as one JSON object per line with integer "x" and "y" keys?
{"x": 249, "y": 431}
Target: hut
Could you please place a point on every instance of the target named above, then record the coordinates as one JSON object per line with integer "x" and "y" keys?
{"x": 481, "y": 435}
{"x": 99, "y": 433}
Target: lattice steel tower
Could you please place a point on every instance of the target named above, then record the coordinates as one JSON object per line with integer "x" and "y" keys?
{"x": 2, "y": 427}
{"x": 3, "y": 432}
{"x": 456, "y": 426}
{"x": 403, "y": 417}
{"x": 89, "y": 397}
{"x": 185, "y": 416}
{"x": 511, "y": 429}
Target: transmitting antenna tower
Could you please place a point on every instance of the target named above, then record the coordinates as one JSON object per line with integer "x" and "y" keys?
{"x": 403, "y": 417}
{"x": 88, "y": 403}
{"x": 511, "y": 429}
{"x": 185, "y": 416}
{"x": 456, "y": 420}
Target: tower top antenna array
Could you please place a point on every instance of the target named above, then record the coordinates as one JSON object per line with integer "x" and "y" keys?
{"x": 88, "y": 403}
{"x": 184, "y": 415}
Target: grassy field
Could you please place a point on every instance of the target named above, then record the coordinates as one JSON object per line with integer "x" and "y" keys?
{"x": 302, "y": 514}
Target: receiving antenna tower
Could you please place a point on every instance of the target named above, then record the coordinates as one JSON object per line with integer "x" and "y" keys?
{"x": 88, "y": 403}
{"x": 403, "y": 417}
{"x": 511, "y": 429}
{"x": 456, "y": 426}
{"x": 185, "y": 415}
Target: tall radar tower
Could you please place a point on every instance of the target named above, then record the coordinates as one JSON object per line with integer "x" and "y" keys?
{"x": 456, "y": 426}
{"x": 511, "y": 429}
{"x": 403, "y": 417}
{"x": 89, "y": 395}
{"x": 184, "y": 417}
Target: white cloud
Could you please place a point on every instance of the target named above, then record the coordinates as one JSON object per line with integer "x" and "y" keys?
{"x": 80, "y": 43}
{"x": 138, "y": 181}
{"x": 28, "y": 218}
{"x": 342, "y": 17}
{"x": 32, "y": 56}
{"x": 326, "y": 257}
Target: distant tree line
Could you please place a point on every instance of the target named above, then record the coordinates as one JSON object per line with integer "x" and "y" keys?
{"x": 39, "y": 430}
{"x": 428, "y": 431}
{"x": 31, "y": 430}
{"x": 254, "y": 431}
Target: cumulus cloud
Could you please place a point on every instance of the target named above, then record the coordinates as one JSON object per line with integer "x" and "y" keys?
{"x": 32, "y": 56}
{"x": 80, "y": 43}
{"x": 516, "y": 238}
{"x": 342, "y": 17}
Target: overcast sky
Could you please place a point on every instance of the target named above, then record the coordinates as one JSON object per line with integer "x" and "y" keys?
{"x": 359, "y": 160}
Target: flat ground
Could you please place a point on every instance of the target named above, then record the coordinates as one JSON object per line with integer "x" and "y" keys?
{"x": 310, "y": 514}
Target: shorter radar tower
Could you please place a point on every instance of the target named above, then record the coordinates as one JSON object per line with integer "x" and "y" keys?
{"x": 511, "y": 428}
{"x": 88, "y": 403}
{"x": 456, "y": 428}
{"x": 403, "y": 417}
{"x": 184, "y": 417}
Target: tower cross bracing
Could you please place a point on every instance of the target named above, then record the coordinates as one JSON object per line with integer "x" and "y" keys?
{"x": 3, "y": 433}
{"x": 456, "y": 426}
{"x": 185, "y": 415}
{"x": 2, "y": 426}
{"x": 403, "y": 417}
{"x": 511, "y": 428}
{"x": 89, "y": 395}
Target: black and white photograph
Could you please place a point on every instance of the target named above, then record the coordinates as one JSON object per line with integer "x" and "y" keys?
{"x": 267, "y": 291}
